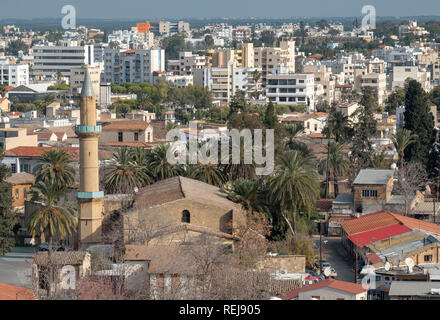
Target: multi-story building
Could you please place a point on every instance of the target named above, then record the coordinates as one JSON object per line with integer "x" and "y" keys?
{"x": 186, "y": 64}
{"x": 50, "y": 60}
{"x": 401, "y": 73}
{"x": 180, "y": 81}
{"x": 291, "y": 89}
{"x": 14, "y": 74}
{"x": 378, "y": 81}
{"x": 269, "y": 58}
{"x": 223, "y": 82}
{"x": 241, "y": 33}
{"x": 412, "y": 27}
{"x": 135, "y": 66}
{"x": 323, "y": 79}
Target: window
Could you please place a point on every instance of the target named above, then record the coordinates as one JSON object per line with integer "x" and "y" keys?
{"x": 17, "y": 194}
{"x": 428, "y": 258}
{"x": 14, "y": 168}
{"x": 186, "y": 216}
{"x": 369, "y": 193}
{"x": 316, "y": 127}
{"x": 149, "y": 136}
{"x": 120, "y": 137}
{"x": 136, "y": 136}
{"x": 24, "y": 167}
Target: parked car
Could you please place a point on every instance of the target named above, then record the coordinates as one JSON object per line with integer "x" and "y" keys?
{"x": 333, "y": 273}
{"x": 325, "y": 263}
{"x": 314, "y": 274}
{"x": 45, "y": 247}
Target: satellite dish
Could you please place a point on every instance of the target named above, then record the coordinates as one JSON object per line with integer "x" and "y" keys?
{"x": 327, "y": 272}
{"x": 410, "y": 263}
{"x": 387, "y": 266}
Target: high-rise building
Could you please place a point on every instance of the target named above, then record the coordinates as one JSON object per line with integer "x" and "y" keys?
{"x": 77, "y": 79}
{"x": 89, "y": 195}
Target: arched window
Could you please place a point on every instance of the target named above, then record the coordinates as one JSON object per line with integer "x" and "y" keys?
{"x": 186, "y": 216}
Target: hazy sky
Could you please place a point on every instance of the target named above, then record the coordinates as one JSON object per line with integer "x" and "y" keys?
{"x": 214, "y": 8}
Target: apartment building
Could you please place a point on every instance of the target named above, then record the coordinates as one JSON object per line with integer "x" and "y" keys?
{"x": 223, "y": 82}
{"x": 77, "y": 79}
{"x": 325, "y": 82}
{"x": 241, "y": 33}
{"x": 14, "y": 75}
{"x": 50, "y": 60}
{"x": 401, "y": 73}
{"x": 180, "y": 81}
{"x": 135, "y": 65}
{"x": 269, "y": 58}
{"x": 412, "y": 27}
{"x": 378, "y": 81}
{"x": 186, "y": 64}
{"x": 291, "y": 89}
{"x": 167, "y": 27}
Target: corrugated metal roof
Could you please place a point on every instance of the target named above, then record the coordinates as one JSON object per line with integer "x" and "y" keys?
{"x": 373, "y": 176}
{"x": 412, "y": 288}
{"x": 364, "y": 238}
{"x": 344, "y": 198}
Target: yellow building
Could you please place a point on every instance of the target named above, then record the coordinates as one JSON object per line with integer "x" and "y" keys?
{"x": 5, "y": 104}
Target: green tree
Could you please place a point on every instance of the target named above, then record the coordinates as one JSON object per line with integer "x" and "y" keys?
{"x": 160, "y": 167}
{"x": 56, "y": 167}
{"x": 208, "y": 173}
{"x": 395, "y": 100}
{"x": 7, "y": 218}
{"x": 419, "y": 120}
{"x": 401, "y": 140}
{"x": 435, "y": 96}
{"x": 124, "y": 174}
{"x": 337, "y": 163}
{"x": 51, "y": 221}
{"x": 364, "y": 130}
{"x": 267, "y": 37}
{"x": 248, "y": 194}
{"x": 270, "y": 117}
{"x": 294, "y": 185}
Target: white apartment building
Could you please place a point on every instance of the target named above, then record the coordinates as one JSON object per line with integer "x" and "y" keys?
{"x": 50, "y": 59}
{"x": 180, "y": 81}
{"x": 291, "y": 89}
{"x": 186, "y": 64}
{"x": 401, "y": 73}
{"x": 378, "y": 81}
{"x": 14, "y": 74}
{"x": 223, "y": 82}
{"x": 269, "y": 58}
{"x": 324, "y": 82}
{"x": 135, "y": 66}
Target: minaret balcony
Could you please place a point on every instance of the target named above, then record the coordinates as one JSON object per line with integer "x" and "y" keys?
{"x": 88, "y": 130}
{"x": 90, "y": 195}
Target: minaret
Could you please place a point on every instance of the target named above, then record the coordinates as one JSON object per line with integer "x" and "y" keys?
{"x": 89, "y": 196}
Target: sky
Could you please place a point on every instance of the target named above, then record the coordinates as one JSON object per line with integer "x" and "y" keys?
{"x": 134, "y": 9}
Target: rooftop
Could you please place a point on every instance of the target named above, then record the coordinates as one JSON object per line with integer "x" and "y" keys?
{"x": 373, "y": 176}
{"x": 126, "y": 125}
{"x": 349, "y": 287}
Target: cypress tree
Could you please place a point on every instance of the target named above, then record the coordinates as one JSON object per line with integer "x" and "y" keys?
{"x": 419, "y": 120}
{"x": 7, "y": 219}
{"x": 270, "y": 117}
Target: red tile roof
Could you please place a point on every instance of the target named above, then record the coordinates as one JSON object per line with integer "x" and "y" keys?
{"x": 368, "y": 222}
{"x": 127, "y": 144}
{"x": 377, "y": 220}
{"x": 126, "y": 125}
{"x": 374, "y": 258}
{"x": 36, "y": 152}
{"x": 10, "y": 292}
{"x": 349, "y": 287}
{"x": 365, "y": 238}
{"x": 416, "y": 223}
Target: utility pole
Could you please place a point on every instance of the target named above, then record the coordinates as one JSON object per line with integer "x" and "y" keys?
{"x": 320, "y": 247}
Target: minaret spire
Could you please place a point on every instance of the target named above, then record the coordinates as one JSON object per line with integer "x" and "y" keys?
{"x": 87, "y": 88}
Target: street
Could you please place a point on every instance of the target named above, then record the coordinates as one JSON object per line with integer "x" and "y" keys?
{"x": 16, "y": 266}
{"x": 334, "y": 252}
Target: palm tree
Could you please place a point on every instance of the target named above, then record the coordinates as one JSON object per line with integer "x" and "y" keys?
{"x": 124, "y": 174}
{"x": 207, "y": 173}
{"x": 338, "y": 125}
{"x": 294, "y": 184}
{"x": 56, "y": 167}
{"x": 338, "y": 163}
{"x": 293, "y": 131}
{"x": 248, "y": 194}
{"x": 244, "y": 170}
{"x": 160, "y": 167}
{"x": 401, "y": 140}
{"x": 51, "y": 220}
